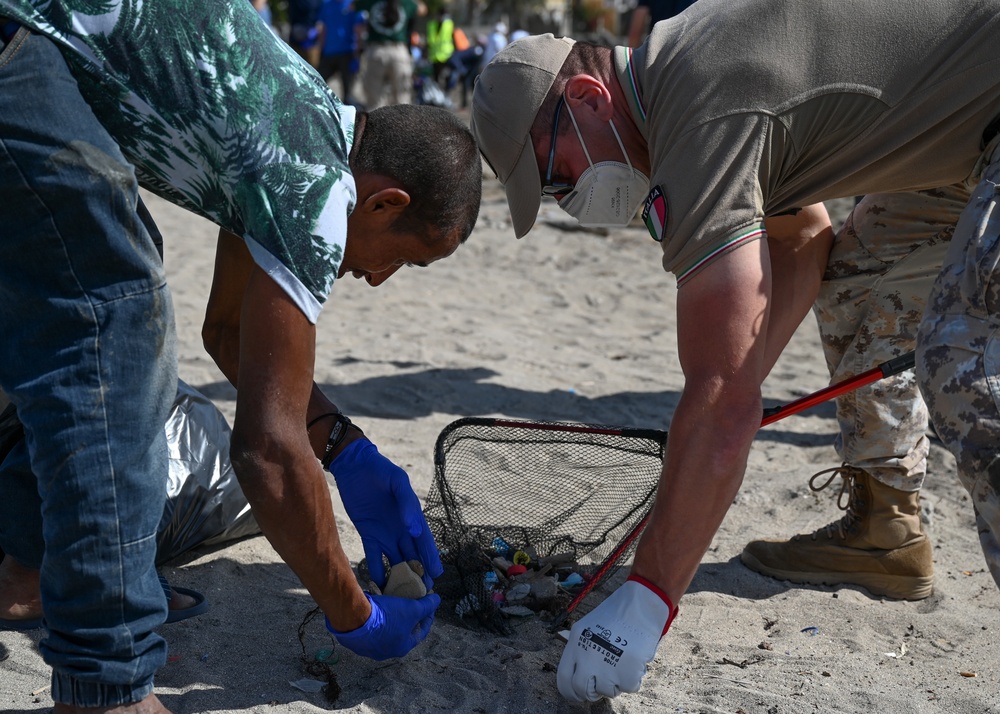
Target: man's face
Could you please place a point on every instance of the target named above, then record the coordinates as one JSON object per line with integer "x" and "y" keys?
{"x": 561, "y": 156}
{"x": 377, "y": 256}
{"x": 376, "y": 248}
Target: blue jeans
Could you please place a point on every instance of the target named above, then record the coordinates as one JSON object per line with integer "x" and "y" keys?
{"x": 88, "y": 356}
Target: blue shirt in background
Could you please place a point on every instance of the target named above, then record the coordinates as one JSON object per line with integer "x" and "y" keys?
{"x": 340, "y": 19}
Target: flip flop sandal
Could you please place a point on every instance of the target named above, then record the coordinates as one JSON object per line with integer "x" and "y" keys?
{"x": 32, "y": 623}
{"x": 200, "y": 605}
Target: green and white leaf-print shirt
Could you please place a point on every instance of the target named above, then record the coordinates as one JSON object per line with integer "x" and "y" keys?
{"x": 221, "y": 117}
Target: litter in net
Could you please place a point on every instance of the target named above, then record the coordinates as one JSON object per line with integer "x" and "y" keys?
{"x": 526, "y": 514}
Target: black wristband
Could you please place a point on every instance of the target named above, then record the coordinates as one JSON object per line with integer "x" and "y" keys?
{"x": 337, "y": 436}
{"x": 320, "y": 418}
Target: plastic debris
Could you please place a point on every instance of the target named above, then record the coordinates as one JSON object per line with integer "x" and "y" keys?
{"x": 518, "y": 592}
{"x": 308, "y": 685}
{"x": 572, "y": 580}
{"x": 326, "y": 654}
{"x": 502, "y": 564}
{"x": 467, "y": 604}
{"x": 812, "y": 630}
{"x": 518, "y": 581}
{"x": 501, "y": 546}
{"x": 517, "y": 611}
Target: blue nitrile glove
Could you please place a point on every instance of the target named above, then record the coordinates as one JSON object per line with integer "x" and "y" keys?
{"x": 385, "y": 510}
{"x": 396, "y": 626}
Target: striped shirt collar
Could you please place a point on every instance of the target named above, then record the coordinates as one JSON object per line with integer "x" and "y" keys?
{"x": 627, "y": 65}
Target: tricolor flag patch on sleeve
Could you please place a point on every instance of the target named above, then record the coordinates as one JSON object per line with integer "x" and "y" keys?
{"x": 654, "y": 213}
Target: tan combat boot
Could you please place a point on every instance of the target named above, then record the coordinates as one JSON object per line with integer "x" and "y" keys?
{"x": 878, "y": 544}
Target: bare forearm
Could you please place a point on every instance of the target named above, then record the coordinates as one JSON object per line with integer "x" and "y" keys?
{"x": 274, "y": 455}
{"x": 706, "y": 457}
{"x": 717, "y": 417}
{"x": 292, "y": 505}
{"x": 221, "y": 331}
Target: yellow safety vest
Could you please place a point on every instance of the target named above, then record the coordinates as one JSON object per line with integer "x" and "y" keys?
{"x": 440, "y": 45}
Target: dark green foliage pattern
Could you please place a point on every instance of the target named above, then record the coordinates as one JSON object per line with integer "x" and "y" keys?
{"x": 217, "y": 115}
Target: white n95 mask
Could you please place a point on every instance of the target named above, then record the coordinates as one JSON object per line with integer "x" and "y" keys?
{"x": 607, "y": 194}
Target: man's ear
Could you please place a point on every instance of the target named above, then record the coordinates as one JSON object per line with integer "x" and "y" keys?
{"x": 585, "y": 91}
{"x": 391, "y": 198}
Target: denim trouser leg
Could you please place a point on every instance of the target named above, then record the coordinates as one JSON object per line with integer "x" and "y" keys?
{"x": 88, "y": 356}
{"x": 20, "y": 509}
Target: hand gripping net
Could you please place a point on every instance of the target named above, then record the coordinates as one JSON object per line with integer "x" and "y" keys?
{"x": 563, "y": 497}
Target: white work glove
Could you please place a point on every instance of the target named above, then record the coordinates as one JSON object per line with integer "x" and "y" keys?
{"x": 609, "y": 648}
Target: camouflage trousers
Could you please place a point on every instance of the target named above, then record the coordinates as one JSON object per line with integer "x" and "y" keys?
{"x": 882, "y": 265}
{"x": 958, "y": 353}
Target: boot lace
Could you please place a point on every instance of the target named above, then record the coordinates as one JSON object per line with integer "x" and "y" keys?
{"x": 849, "y": 489}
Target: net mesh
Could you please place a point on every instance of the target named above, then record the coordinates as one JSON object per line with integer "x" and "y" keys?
{"x": 557, "y": 498}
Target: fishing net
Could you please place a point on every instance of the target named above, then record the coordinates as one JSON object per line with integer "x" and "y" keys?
{"x": 527, "y": 514}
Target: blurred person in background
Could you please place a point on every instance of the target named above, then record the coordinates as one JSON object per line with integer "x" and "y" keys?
{"x": 343, "y": 31}
{"x": 465, "y": 64}
{"x": 306, "y": 30}
{"x": 440, "y": 43}
{"x": 495, "y": 42}
{"x": 388, "y": 63}
{"x": 263, "y": 9}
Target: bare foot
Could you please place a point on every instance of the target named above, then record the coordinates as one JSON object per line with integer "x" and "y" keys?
{"x": 19, "y": 591}
{"x": 180, "y": 601}
{"x": 149, "y": 705}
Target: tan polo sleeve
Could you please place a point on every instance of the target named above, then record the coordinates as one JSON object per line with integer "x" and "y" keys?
{"x": 710, "y": 180}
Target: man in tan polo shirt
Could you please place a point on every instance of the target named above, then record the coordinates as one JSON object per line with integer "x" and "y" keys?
{"x": 713, "y": 125}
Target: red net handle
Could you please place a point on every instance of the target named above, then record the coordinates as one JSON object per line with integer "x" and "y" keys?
{"x": 885, "y": 369}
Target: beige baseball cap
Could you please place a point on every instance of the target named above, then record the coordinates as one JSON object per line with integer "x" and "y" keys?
{"x": 505, "y": 102}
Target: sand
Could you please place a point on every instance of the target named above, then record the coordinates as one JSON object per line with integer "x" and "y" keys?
{"x": 565, "y": 325}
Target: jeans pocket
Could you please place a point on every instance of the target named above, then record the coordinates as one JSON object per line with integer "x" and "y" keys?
{"x": 11, "y": 47}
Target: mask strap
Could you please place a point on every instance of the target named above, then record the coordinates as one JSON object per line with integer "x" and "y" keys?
{"x": 584, "y": 146}
{"x": 621, "y": 146}
{"x": 580, "y": 136}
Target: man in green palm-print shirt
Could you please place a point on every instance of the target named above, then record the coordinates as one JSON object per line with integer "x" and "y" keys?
{"x": 201, "y": 104}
